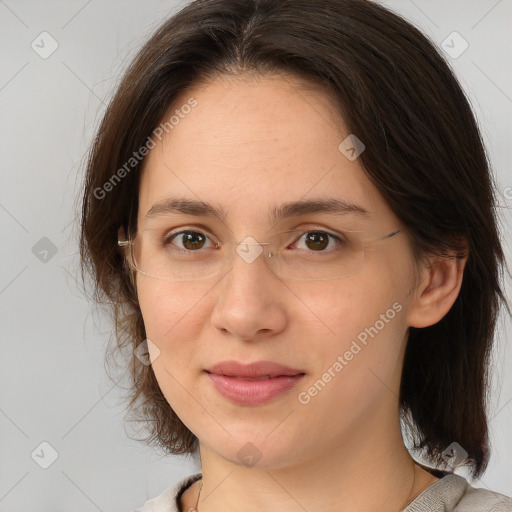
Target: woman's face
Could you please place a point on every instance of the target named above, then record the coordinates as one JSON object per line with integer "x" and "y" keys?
{"x": 248, "y": 147}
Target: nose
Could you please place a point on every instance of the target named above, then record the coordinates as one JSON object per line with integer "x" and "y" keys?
{"x": 250, "y": 299}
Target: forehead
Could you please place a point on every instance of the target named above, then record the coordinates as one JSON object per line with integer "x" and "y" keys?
{"x": 251, "y": 143}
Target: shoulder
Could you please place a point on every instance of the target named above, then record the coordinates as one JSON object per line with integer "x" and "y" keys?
{"x": 483, "y": 500}
{"x": 167, "y": 501}
{"x": 453, "y": 493}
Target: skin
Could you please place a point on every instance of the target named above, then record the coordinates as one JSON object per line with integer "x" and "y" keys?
{"x": 249, "y": 144}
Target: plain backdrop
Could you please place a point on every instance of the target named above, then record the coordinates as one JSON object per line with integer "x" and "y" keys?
{"x": 58, "y": 408}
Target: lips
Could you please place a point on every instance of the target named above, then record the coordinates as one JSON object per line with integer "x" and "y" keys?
{"x": 254, "y": 391}
{"x": 260, "y": 370}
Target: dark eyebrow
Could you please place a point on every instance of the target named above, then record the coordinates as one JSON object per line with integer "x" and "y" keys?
{"x": 187, "y": 207}
{"x": 312, "y": 206}
{"x": 277, "y": 213}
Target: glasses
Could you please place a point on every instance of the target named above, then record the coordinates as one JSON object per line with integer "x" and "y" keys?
{"x": 190, "y": 255}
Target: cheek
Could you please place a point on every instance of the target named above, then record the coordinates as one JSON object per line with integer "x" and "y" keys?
{"x": 357, "y": 365}
{"x": 173, "y": 320}
{"x": 360, "y": 319}
{"x": 339, "y": 310}
{"x": 168, "y": 308}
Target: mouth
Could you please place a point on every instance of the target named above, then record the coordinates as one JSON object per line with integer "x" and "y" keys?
{"x": 253, "y": 390}
{"x": 261, "y": 370}
{"x": 254, "y": 379}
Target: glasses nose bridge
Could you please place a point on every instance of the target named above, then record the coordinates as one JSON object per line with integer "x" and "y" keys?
{"x": 249, "y": 250}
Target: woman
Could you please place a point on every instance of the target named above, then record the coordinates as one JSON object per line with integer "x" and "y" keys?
{"x": 289, "y": 209}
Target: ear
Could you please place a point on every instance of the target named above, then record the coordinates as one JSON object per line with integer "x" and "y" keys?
{"x": 438, "y": 290}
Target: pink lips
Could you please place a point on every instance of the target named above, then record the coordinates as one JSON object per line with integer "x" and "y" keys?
{"x": 254, "y": 383}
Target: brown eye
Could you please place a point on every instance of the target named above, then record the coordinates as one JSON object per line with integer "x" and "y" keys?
{"x": 190, "y": 240}
{"x": 318, "y": 241}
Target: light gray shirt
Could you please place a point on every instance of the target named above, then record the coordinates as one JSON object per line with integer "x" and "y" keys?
{"x": 452, "y": 493}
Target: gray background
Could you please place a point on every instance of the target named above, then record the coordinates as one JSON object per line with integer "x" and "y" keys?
{"x": 54, "y": 387}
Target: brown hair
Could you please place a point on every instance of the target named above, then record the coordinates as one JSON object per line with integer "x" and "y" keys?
{"x": 424, "y": 153}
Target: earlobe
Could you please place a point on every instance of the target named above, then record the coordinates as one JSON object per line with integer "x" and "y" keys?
{"x": 437, "y": 292}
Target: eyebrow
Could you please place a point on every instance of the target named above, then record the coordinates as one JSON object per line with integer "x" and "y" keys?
{"x": 279, "y": 212}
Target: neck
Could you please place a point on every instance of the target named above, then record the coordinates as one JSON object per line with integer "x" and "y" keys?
{"x": 370, "y": 472}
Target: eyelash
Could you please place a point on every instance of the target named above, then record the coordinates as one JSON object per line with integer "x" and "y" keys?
{"x": 171, "y": 236}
